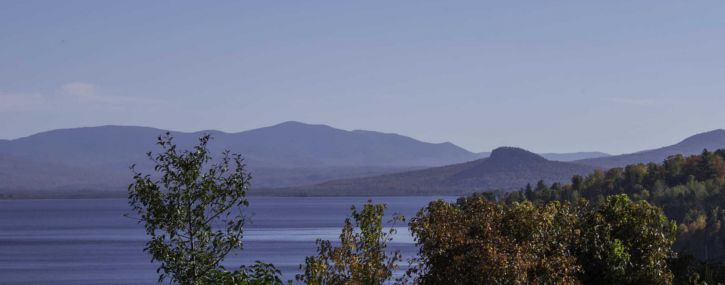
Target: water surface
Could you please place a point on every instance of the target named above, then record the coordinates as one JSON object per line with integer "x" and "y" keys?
{"x": 88, "y": 241}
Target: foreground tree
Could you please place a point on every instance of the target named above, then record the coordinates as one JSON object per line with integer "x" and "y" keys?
{"x": 626, "y": 242}
{"x": 192, "y": 211}
{"x": 476, "y": 241}
{"x": 361, "y": 258}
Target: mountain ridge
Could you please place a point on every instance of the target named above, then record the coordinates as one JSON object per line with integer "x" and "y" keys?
{"x": 712, "y": 140}
{"x": 247, "y": 142}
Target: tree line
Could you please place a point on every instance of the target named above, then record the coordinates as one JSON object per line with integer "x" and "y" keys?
{"x": 690, "y": 191}
{"x": 642, "y": 224}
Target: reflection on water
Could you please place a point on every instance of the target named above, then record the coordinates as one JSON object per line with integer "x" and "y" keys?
{"x": 402, "y": 234}
{"x": 79, "y": 241}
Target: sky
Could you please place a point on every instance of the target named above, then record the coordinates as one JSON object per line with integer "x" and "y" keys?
{"x": 548, "y": 76}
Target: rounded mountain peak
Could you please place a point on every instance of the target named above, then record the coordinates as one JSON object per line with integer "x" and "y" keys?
{"x": 714, "y": 136}
{"x": 514, "y": 154}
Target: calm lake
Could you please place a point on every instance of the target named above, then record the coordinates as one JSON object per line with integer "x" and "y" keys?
{"x": 88, "y": 241}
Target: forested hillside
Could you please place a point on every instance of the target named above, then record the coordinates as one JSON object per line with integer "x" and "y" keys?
{"x": 689, "y": 189}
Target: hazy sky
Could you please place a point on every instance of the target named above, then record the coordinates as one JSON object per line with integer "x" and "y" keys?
{"x": 613, "y": 76}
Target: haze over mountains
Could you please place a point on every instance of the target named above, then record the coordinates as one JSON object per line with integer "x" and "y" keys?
{"x": 289, "y": 154}
{"x": 507, "y": 168}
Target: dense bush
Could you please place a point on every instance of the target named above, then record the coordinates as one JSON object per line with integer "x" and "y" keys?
{"x": 476, "y": 241}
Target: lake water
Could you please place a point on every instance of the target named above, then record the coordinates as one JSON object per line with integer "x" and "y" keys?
{"x": 88, "y": 241}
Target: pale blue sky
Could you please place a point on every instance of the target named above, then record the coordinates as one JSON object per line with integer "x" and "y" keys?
{"x": 549, "y": 76}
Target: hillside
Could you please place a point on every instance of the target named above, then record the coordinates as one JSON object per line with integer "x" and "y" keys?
{"x": 566, "y": 156}
{"x": 573, "y": 156}
{"x": 23, "y": 174}
{"x": 507, "y": 168}
{"x": 692, "y": 145}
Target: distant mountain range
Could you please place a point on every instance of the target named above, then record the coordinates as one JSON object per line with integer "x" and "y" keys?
{"x": 290, "y": 153}
{"x": 286, "y": 155}
{"x": 506, "y": 168}
{"x": 711, "y": 140}
{"x": 290, "y": 144}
